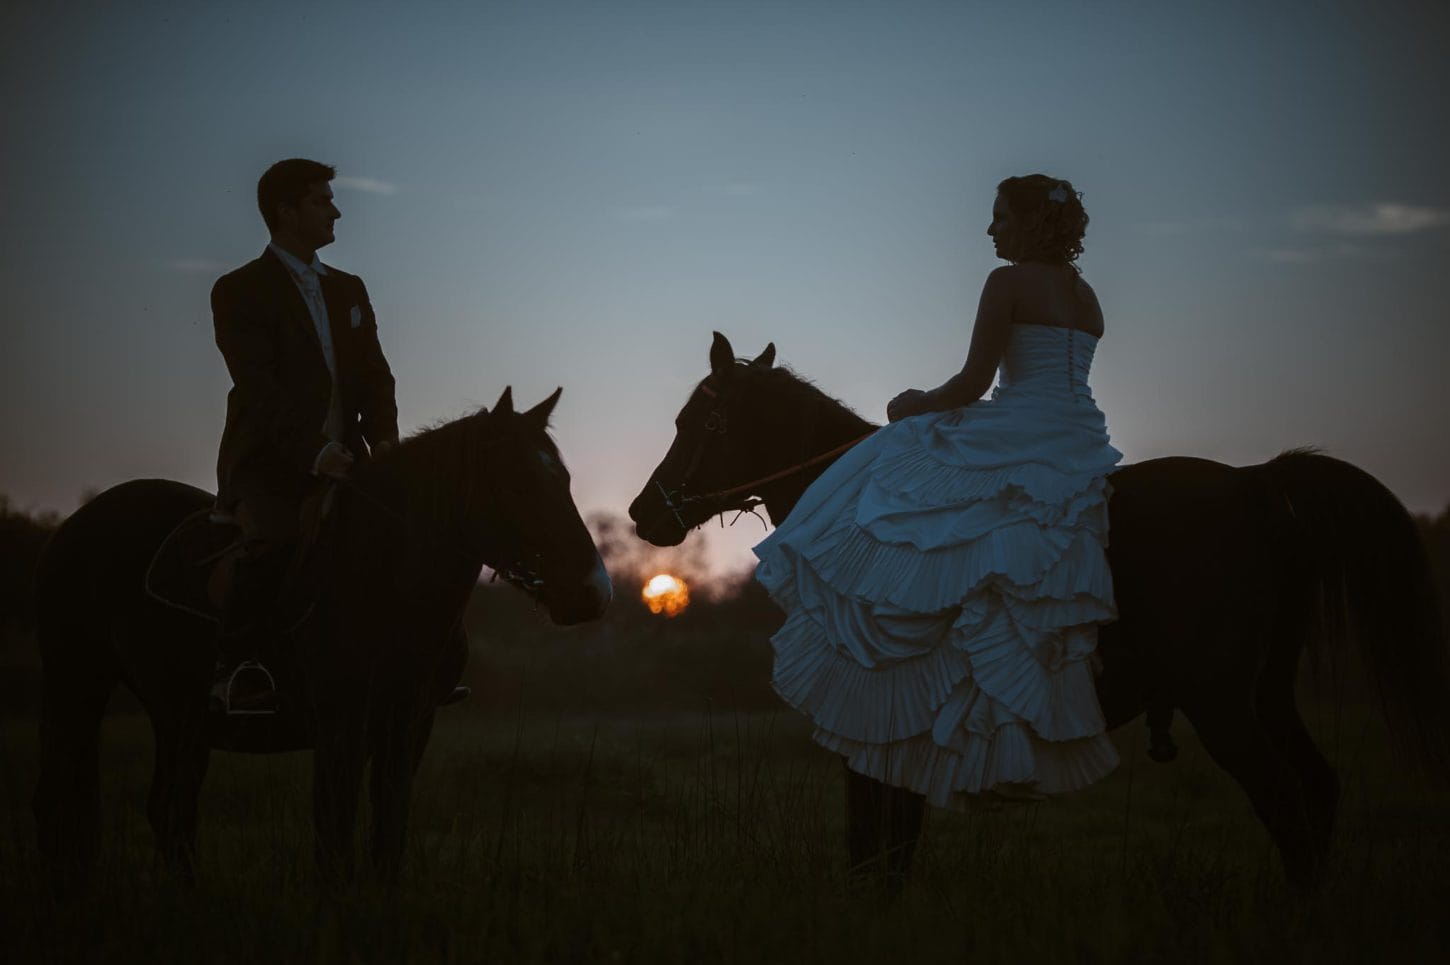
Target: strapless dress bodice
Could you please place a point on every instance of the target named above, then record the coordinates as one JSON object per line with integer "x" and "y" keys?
{"x": 1048, "y": 360}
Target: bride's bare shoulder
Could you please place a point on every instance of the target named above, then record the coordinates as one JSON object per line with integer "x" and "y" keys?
{"x": 1091, "y": 319}
{"x": 1055, "y": 295}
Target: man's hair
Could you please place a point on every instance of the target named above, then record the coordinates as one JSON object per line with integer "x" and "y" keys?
{"x": 286, "y": 182}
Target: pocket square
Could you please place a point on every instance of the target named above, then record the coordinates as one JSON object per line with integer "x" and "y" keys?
{"x": 356, "y": 316}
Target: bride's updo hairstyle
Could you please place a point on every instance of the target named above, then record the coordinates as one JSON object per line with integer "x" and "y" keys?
{"x": 1050, "y": 217}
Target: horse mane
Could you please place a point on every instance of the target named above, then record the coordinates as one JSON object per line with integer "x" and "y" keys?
{"x": 791, "y": 389}
{"x": 439, "y": 476}
{"x": 437, "y": 453}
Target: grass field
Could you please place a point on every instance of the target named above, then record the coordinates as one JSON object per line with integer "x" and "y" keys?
{"x": 553, "y": 823}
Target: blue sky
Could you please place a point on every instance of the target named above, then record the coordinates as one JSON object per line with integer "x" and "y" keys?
{"x": 547, "y": 194}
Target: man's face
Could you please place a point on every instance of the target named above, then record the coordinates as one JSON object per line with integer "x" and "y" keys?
{"x": 311, "y": 219}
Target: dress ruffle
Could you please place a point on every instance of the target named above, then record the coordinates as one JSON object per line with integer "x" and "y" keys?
{"x": 943, "y": 603}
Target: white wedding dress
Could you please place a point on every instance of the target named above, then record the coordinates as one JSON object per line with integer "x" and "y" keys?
{"x": 943, "y": 583}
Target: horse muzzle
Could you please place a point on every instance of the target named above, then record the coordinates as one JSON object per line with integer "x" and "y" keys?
{"x": 656, "y": 520}
{"x": 579, "y": 601}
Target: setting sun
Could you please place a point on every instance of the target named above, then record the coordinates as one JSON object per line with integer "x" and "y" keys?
{"x": 666, "y": 594}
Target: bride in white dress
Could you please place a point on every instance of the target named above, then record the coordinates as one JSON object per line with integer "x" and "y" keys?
{"x": 944, "y": 579}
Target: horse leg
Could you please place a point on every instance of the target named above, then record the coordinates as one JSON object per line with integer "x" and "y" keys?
{"x": 182, "y": 756}
{"x": 67, "y": 797}
{"x": 883, "y": 826}
{"x": 337, "y": 766}
{"x": 397, "y": 752}
{"x": 1318, "y": 782}
{"x": 1257, "y": 758}
{"x": 905, "y": 816}
{"x": 865, "y": 817}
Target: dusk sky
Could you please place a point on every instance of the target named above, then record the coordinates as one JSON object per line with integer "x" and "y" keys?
{"x": 544, "y": 194}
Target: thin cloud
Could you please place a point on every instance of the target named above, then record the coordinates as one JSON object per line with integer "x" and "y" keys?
{"x": 366, "y": 185}
{"x": 645, "y": 213}
{"x": 737, "y": 189}
{"x": 193, "y": 266}
{"x": 477, "y": 202}
{"x": 1287, "y": 256}
{"x": 1380, "y": 218}
{"x": 1312, "y": 254}
{"x": 1167, "y": 229}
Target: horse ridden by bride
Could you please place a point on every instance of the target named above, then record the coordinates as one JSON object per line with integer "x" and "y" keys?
{"x": 957, "y": 624}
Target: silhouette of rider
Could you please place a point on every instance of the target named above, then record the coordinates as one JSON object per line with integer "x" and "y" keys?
{"x": 311, "y": 395}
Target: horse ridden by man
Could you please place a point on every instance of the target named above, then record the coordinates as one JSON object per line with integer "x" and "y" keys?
{"x": 336, "y": 562}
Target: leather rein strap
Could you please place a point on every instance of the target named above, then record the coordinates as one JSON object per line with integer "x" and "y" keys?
{"x": 782, "y": 474}
{"x": 722, "y": 498}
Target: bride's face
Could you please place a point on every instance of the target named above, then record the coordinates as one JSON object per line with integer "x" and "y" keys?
{"x": 1003, "y": 228}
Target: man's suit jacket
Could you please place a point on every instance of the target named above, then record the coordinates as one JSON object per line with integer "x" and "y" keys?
{"x": 281, "y": 386}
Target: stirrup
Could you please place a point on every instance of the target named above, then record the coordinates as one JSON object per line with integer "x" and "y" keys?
{"x": 250, "y": 666}
{"x": 459, "y": 693}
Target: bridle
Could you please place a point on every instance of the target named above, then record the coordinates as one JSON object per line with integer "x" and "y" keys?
{"x": 724, "y": 499}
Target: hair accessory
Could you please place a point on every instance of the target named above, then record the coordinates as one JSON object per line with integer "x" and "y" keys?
{"x": 1059, "y": 193}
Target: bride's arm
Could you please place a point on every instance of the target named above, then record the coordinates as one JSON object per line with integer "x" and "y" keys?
{"x": 989, "y": 341}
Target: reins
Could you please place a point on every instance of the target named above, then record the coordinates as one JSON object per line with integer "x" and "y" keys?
{"x": 748, "y": 505}
{"x": 723, "y": 500}
{"x": 782, "y": 474}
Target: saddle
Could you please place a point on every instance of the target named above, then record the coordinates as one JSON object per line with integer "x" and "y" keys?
{"x": 192, "y": 568}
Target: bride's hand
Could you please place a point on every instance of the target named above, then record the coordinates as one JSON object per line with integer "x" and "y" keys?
{"x": 904, "y": 405}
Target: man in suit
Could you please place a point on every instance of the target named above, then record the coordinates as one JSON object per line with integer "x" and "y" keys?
{"x": 311, "y": 395}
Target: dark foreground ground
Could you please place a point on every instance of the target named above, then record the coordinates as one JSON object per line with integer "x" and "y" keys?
{"x": 715, "y": 836}
{"x": 630, "y": 791}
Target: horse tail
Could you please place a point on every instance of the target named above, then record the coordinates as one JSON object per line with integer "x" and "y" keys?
{"x": 1374, "y": 587}
{"x": 78, "y": 674}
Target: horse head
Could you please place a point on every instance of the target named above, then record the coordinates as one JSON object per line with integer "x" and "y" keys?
{"x": 751, "y": 433}
{"x": 718, "y": 440}
{"x": 526, "y": 526}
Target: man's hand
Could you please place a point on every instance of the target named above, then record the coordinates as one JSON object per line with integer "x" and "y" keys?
{"x": 334, "y": 461}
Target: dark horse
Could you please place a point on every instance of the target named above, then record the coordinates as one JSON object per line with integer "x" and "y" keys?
{"x": 1223, "y": 576}
{"x": 380, "y": 648}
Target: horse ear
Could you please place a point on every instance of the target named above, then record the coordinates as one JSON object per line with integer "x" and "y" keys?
{"x": 765, "y": 359}
{"x": 722, "y": 356}
{"x": 540, "y": 413}
{"x": 505, "y": 403}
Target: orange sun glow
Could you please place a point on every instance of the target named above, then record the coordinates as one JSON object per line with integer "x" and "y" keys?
{"x": 666, "y": 594}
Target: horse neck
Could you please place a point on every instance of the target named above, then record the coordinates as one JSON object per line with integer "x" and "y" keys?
{"x": 390, "y": 579}
{"x": 415, "y": 511}
{"x": 820, "y": 425}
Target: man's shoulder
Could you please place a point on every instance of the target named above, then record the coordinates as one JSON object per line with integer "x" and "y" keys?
{"x": 244, "y": 275}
